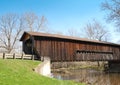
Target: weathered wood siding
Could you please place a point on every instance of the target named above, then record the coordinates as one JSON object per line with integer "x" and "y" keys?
{"x": 66, "y": 50}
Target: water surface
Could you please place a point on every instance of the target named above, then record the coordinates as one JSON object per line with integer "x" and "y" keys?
{"x": 90, "y": 77}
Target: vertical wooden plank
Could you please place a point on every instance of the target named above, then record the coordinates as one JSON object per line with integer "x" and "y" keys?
{"x": 56, "y": 51}
{"x": 42, "y": 47}
{"x": 67, "y": 51}
{"x": 70, "y": 44}
{"x": 77, "y": 46}
{"x": 72, "y": 51}
{"x": 63, "y": 50}
{"x": 46, "y": 48}
{"x": 51, "y": 51}
{"x": 52, "y": 48}
{"x": 49, "y": 48}
{"x": 56, "y": 57}
{"x": 61, "y": 57}
{"x": 39, "y": 48}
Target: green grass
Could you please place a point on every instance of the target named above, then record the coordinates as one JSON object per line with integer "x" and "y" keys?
{"x": 19, "y": 72}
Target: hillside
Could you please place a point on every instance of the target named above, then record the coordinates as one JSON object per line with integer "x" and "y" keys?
{"x": 19, "y": 72}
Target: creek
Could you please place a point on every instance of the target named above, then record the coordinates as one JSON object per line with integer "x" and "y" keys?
{"x": 90, "y": 77}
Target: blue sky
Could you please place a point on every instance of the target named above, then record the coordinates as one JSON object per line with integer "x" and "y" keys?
{"x": 61, "y": 14}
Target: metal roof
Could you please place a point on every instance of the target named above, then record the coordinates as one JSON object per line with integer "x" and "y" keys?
{"x": 39, "y": 34}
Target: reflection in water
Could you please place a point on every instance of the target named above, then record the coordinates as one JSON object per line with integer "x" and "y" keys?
{"x": 90, "y": 77}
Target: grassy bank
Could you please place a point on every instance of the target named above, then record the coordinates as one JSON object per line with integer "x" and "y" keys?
{"x": 19, "y": 72}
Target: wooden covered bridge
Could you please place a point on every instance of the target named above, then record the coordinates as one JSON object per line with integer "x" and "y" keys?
{"x": 59, "y": 48}
{"x": 66, "y": 48}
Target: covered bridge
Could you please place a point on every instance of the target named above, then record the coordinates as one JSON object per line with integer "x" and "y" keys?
{"x": 67, "y": 48}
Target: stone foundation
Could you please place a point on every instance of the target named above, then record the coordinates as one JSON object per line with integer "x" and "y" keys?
{"x": 44, "y": 68}
{"x": 56, "y": 65}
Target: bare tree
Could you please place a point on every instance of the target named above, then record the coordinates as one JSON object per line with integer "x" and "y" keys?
{"x": 34, "y": 22}
{"x": 95, "y": 30}
{"x": 72, "y": 32}
{"x": 113, "y": 7}
{"x": 11, "y": 26}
